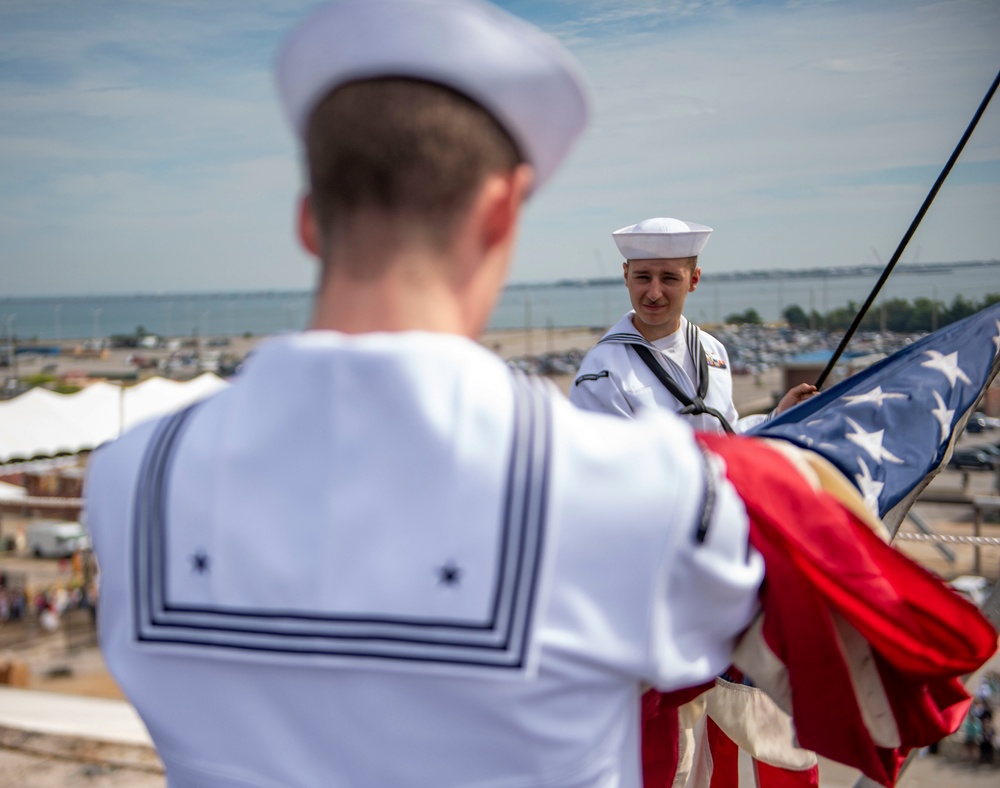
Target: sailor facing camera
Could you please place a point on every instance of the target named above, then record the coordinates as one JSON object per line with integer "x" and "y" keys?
{"x": 654, "y": 356}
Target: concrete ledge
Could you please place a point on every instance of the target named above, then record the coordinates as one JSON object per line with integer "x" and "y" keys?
{"x": 71, "y": 748}
{"x": 75, "y": 728}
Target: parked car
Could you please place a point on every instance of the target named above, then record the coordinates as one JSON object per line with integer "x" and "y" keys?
{"x": 991, "y": 449}
{"x": 980, "y": 422}
{"x": 55, "y": 538}
{"x": 970, "y": 459}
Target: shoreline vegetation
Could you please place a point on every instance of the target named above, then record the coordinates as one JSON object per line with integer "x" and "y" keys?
{"x": 894, "y": 314}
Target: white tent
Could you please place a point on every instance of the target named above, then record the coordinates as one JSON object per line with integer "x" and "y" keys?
{"x": 41, "y": 423}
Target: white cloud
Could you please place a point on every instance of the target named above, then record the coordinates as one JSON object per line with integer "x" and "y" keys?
{"x": 759, "y": 125}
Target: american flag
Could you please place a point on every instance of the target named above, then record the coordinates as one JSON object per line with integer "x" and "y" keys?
{"x": 863, "y": 646}
{"x": 892, "y": 427}
{"x": 889, "y": 428}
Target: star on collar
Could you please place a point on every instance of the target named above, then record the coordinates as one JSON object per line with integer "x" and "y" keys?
{"x": 943, "y": 415}
{"x": 996, "y": 339}
{"x": 200, "y": 562}
{"x": 450, "y": 574}
{"x": 870, "y": 488}
{"x": 871, "y": 442}
{"x": 875, "y": 396}
{"x": 947, "y": 366}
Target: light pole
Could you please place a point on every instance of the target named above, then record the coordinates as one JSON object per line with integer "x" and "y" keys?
{"x": 12, "y": 349}
{"x": 527, "y": 324}
{"x": 200, "y": 343}
{"x": 121, "y": 407}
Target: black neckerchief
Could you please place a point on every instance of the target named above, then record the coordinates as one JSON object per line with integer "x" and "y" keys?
{"x": 692, "y": 406}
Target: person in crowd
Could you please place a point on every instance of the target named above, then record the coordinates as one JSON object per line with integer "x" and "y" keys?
{"x": 972, "y": 731}
{"x": 987, "y": 742}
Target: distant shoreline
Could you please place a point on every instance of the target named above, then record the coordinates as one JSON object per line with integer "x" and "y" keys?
{"x": 790, "y": 273}
{"x": 825, "y": 272}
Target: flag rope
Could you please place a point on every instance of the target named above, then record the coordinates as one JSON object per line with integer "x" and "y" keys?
{"x": 980, "y": 540}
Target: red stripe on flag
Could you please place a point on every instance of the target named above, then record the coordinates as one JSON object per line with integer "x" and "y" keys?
{"x": 660, "y": 740}
{"x": 775, "y": 777}
{"x": 725, "y": 757}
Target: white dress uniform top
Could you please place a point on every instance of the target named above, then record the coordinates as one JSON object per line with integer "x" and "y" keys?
{"x": 389, "y": 560}
{"x": 612, "y": 378}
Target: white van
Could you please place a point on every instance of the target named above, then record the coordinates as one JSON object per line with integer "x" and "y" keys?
{"x": 55, "y": 538}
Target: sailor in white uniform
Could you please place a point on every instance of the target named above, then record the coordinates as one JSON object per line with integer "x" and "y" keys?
{"x": 654, "y": 356}
{"x": 381, "y": 558}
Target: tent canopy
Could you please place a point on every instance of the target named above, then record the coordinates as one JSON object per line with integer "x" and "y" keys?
{"x": 41, "y": 423}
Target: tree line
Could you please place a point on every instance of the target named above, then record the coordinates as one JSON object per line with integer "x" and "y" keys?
{"x": 894, "y": 314}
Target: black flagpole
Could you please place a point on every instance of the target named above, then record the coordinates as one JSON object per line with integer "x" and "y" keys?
{"x": 909, "y": 233}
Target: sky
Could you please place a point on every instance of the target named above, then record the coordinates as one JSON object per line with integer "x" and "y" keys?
{"x": 142, "y": 148}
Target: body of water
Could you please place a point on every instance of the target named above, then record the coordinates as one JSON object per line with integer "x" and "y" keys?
{"x": 556, "y": 305}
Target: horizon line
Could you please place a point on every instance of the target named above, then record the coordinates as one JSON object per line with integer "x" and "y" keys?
{"x": 759, "y": 273}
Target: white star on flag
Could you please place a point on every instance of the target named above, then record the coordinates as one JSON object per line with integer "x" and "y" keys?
{"x": 810, "y": 443}
{"x": 870, "y": 488}
{"x": 871, "y": 442}
{"x": 943, "y": 415}
{"x": 947, "y": 366}
{"x": 876, "y": 396}
{"x": 916, "y": 423}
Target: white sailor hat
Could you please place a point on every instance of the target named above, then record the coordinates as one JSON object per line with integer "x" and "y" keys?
{"x": 524, "y": 78}
{"x": 661, "y": 239}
